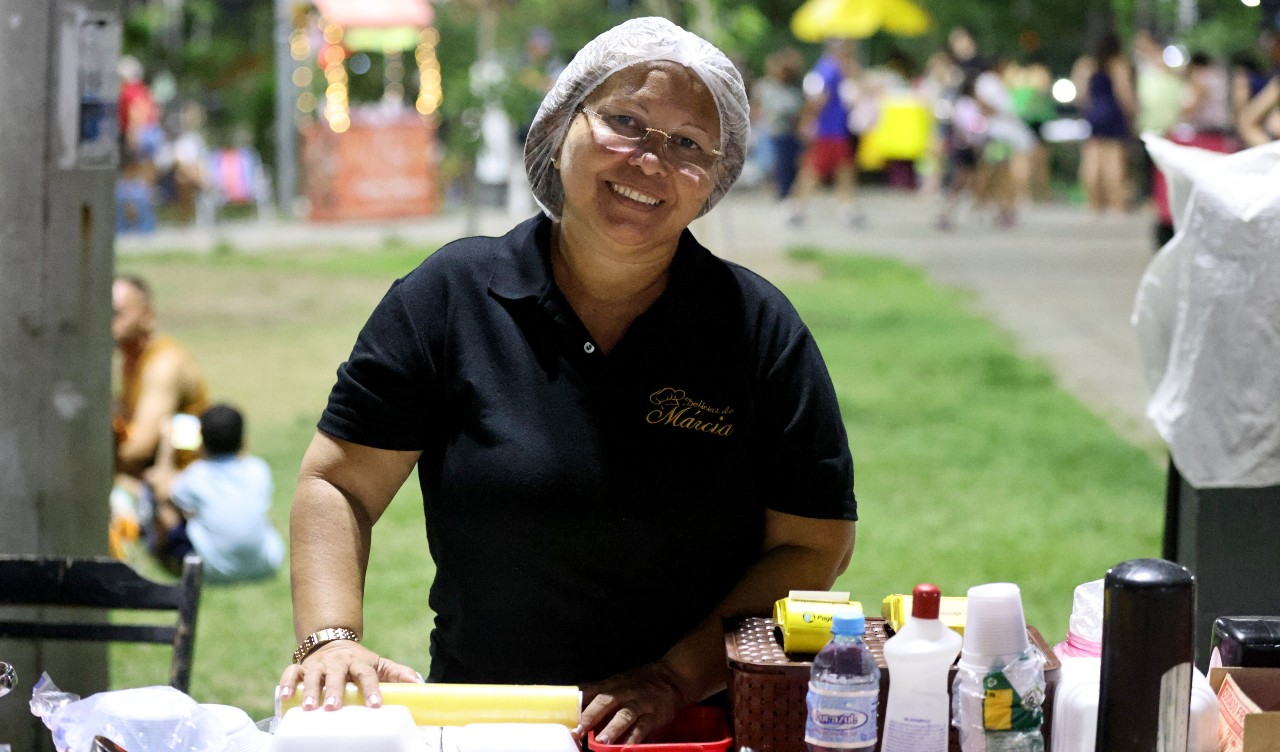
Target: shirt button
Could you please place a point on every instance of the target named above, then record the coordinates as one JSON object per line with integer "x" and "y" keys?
{"x": 588, "y": 348}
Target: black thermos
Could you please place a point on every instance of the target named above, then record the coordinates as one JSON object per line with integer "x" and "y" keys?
{"x": 1148, "y": 644}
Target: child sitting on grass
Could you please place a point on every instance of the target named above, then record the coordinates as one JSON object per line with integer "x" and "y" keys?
{"x": 217, "y": 507}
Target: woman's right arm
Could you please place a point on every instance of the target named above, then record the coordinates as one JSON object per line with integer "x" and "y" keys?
{"x": 343, "y": 488}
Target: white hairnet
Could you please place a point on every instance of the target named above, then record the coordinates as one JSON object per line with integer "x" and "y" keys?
{"x": 639, "y": 40}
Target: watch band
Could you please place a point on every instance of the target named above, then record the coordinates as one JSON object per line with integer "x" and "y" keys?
{"x": 316, "y": 639}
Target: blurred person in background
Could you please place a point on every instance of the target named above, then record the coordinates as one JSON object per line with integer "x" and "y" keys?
{"x": 831, "y": 156}
{"x": 604, "y": 417}
{"x": 1259, "y": 119}
{"x": 964, "y": 134}
{"x": 217, "y": 507}
{"x": 966, "y": 140}
{"x": 1030, "y": 88}
{"x": 1008, "y": 142}
{"x": 159, "y": 379}
{"x": 938, "y": 88}
{"x": 190, "y": 165}
{"x": 537, "y": 71}
{"x": 141, "y": 139}
{"x": 1106, "y": 96}
{"x": 1206, "y": 118}
{"x": 777, "y": 102}
{"x": 891, "y": 87}
{"x": 1160, "y": 92}
{"x": 1160, "y": 89}
{"x": 1247, "y": 79}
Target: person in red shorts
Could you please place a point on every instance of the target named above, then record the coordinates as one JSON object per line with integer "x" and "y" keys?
{"x": 832, "y": 88}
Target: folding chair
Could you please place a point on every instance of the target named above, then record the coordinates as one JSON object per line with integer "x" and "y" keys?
{"x": 100, "y": 583}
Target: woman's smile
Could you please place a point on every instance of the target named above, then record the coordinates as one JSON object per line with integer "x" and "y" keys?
{"x": 635, "y": 195}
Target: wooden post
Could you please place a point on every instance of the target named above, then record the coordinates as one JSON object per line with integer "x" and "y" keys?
{"x": 58, "y": 164}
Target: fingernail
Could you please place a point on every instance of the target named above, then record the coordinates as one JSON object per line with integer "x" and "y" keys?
{"x": 330, "y": 702}
{"x": 286, "y": 692}
{"x": 375, "y": 700}
{"x": 420, "y": 679}
{"x": 308, "y": 703}
{"x": 603, "y": 739}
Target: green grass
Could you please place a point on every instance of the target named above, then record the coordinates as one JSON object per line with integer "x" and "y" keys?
{"x": 972, "y": 465}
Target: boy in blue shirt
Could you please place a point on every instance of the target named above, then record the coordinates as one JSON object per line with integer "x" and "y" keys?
{"x": 217, "y": 507}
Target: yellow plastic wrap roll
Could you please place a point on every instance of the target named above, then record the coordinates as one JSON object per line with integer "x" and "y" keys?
{"x": 460, "y": 704}
{"x": 804, "y": 617}
{"x": 953, "y": 610}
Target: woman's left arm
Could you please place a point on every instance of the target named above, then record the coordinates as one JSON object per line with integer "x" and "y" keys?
{"x": 799, "y": 553}
{"x": 1122, "y": 81}
{"x": 1252, "y": 117}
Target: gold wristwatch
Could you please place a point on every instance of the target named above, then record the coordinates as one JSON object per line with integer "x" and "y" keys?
{"x": 316, "y": 639}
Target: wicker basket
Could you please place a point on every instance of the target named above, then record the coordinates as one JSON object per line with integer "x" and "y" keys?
{"x": 767, "y": 693}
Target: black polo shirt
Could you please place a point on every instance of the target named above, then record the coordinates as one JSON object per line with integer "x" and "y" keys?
{"x": 584, "y": 510}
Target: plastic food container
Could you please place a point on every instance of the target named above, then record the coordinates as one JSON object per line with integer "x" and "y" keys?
{"x": 697, "y": 729}
{"x": 389, "y": 728}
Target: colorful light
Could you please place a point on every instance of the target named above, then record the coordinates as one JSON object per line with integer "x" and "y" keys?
{"x": 430, "y": 92}
{"x": 337, "y": 106}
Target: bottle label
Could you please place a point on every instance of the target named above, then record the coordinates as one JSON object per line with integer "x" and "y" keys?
{"x": 1175, "y": 708}
{"x": 841, "y": 719}
{"x": 914, "y": 735}
{"x": 1006, "y": 707}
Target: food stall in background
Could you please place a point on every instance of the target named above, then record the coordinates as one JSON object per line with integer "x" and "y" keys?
{"x": 369, "y": 89}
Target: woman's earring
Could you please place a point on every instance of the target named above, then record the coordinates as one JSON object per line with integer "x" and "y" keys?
{"x": 555, "y": 163}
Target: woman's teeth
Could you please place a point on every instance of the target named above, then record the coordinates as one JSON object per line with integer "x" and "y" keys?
{"x": 634, "y": 195}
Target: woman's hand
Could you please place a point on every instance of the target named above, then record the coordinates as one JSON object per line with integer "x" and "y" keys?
{"x": 325, "y": 673}
{"x": 624, "y": 709}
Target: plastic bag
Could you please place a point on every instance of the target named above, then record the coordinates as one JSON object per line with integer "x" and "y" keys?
{"x": 1206, "y": 316}
{"x": 147, "y": 719}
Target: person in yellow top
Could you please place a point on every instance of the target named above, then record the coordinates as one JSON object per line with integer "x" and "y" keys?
{"x": 159, "y": 379}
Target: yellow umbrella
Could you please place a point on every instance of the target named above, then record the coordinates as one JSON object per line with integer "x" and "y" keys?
{"x": 817, "y": 20}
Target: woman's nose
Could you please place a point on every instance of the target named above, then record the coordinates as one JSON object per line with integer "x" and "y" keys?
{"x": 649, "y": 156}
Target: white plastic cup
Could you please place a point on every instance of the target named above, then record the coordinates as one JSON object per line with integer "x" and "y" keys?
{"x": 995, "y": 627}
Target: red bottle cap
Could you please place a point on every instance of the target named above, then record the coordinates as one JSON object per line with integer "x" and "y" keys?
{"x": 926, "y": 599}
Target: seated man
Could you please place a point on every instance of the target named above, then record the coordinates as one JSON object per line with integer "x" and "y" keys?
{"x": 158, "y": 379}
{"x": 217, "y": 507}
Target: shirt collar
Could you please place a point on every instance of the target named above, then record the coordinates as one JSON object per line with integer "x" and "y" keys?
{"x": 523, "y": 270}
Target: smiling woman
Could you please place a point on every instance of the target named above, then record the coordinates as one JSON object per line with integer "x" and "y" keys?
{"x": 605, "y": 417}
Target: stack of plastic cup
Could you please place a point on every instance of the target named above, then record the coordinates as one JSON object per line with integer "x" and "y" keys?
{"x": 997, "y": 661}
{"x": 995, "y": 629}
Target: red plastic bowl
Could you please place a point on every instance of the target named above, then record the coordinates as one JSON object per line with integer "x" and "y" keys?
{"x": 696, "y": 729}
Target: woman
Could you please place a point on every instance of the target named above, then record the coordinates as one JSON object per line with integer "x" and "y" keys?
{"x": 1109, "y": 106}
{"x": 778, "y": 100}
{"x": 620, "y": 438}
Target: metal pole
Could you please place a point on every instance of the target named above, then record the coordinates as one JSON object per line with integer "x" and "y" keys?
{"x": 1188, "y": 14}
{"x": 59, "y": 161}
{"x": 286, "y": 124}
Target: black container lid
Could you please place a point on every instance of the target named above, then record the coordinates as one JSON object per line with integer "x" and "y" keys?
{"x": 1247, "y": 640}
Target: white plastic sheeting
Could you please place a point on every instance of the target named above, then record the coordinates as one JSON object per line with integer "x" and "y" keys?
{"x": 1207, "y": 315}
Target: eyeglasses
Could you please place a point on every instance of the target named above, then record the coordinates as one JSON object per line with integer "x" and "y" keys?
{"x": 620, "y": 132}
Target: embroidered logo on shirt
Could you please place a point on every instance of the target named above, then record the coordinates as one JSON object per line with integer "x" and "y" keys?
{"x": 677, "y": 409}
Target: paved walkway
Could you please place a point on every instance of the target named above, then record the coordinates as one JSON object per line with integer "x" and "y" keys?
{"x": 1061, "y": 282}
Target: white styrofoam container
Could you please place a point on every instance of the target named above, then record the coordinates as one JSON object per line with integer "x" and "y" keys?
{"x": 351, "y": 728}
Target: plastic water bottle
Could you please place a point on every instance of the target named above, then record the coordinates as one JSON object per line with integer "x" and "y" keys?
{"x": 919, "y": 658}
{"x": 844, "y": 690}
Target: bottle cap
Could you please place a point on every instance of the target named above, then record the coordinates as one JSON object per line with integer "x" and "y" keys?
{"x": 848, "y": 622}
{"x": 926, "y": 599}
